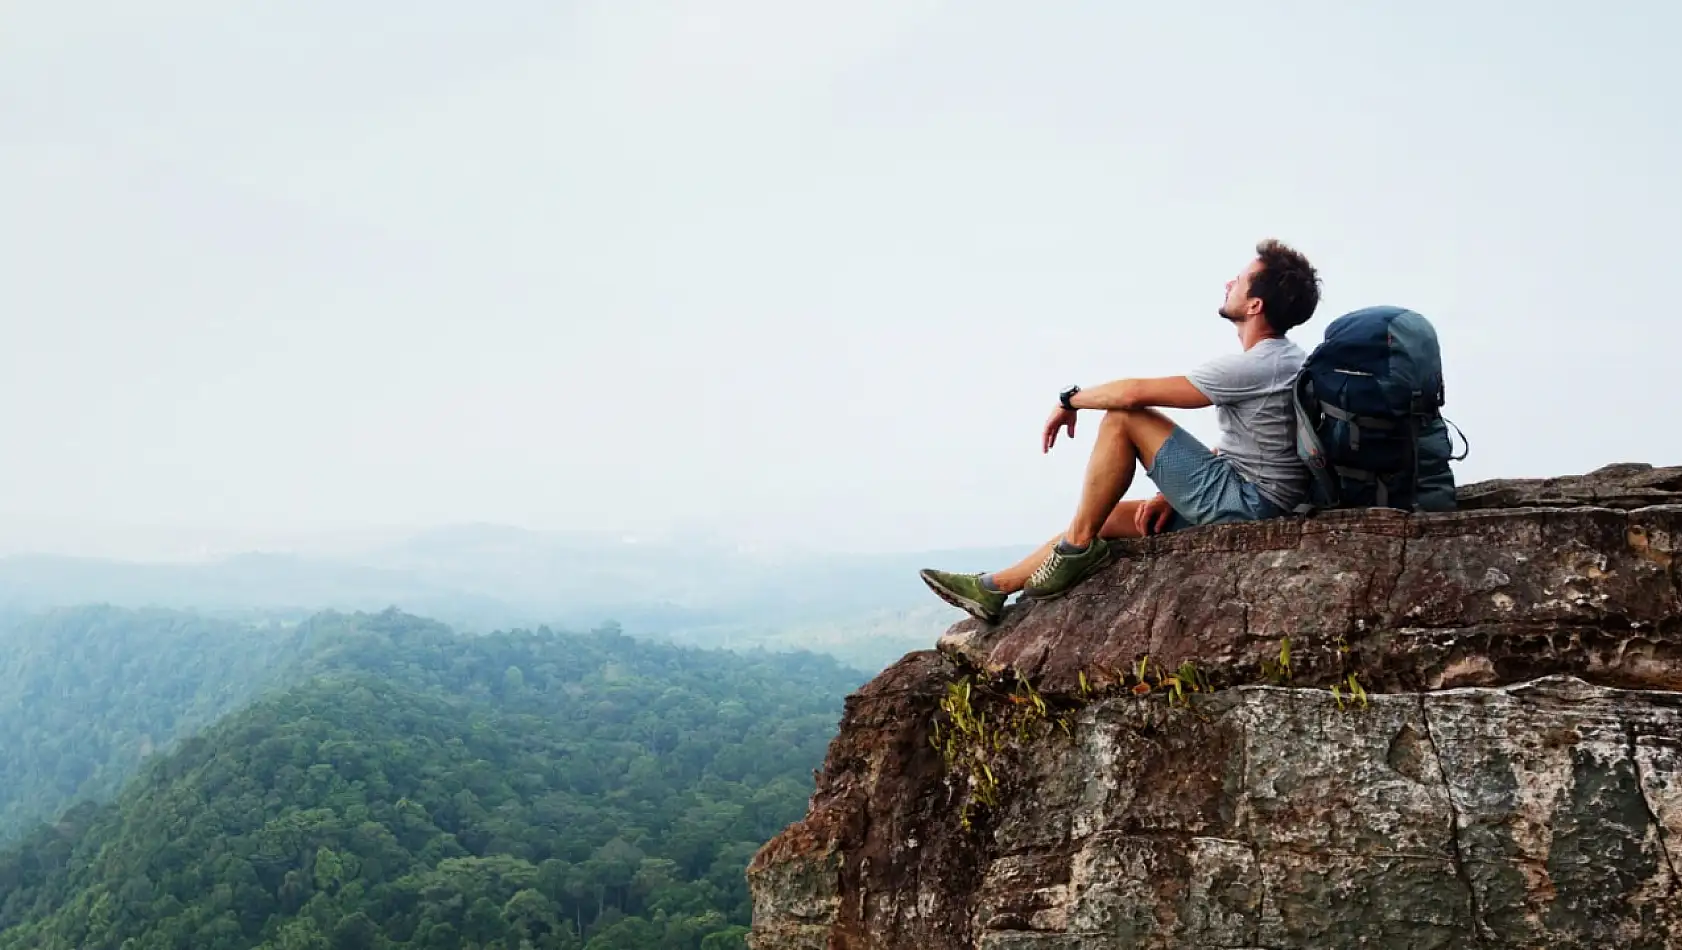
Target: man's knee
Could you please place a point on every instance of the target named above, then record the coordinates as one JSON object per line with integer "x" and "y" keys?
{"x": 1130, "y": 420}
{"x": 1144, "y": 429}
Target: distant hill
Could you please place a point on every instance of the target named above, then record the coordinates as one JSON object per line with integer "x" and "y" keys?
{"x": 87, "y": 693}
{"x": 418, "y": 788}
{"x": 273, "y": 582}
{"x": 485, "y": 577}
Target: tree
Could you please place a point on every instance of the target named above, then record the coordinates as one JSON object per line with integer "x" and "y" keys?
{"x": 730, "y": 938}
{"x": 300, "y": 934}
{"x": 329, "y": 869}
{"x": 529, "y": 915}
{"x": 355, "y": 932}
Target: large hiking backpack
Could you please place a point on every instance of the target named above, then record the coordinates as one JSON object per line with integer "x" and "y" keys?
{"x": 1369, "y": 420}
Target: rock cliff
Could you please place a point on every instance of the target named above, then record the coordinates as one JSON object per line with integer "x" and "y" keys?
{"x": 1358, "y": 729}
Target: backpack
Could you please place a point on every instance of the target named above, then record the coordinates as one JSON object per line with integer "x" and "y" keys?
{"x": 1369, "y": 422}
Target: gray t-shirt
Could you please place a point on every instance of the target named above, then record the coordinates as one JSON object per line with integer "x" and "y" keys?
{"x": 1252, "y": 396}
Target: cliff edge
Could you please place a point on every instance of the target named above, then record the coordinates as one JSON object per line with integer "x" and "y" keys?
{"x": 1364, "y": 728}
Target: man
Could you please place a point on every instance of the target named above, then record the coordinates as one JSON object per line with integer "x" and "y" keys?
{"x": 1254, "y": 474}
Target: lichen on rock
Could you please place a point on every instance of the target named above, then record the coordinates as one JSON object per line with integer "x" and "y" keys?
{"x": 1512, "y": 776}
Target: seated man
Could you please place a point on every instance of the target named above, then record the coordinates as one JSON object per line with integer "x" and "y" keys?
{"x": 1255, "y": 473}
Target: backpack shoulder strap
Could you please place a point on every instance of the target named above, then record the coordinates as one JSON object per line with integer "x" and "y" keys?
{"x": 1309, "y": 448}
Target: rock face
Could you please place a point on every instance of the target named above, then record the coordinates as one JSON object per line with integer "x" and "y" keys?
{"x": 1625, "y": 485}
{"x": 1146, "y": 763}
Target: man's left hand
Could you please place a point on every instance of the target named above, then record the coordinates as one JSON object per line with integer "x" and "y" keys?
{"x": 1062, "y": 418}
{"x": 1153, "y": 516}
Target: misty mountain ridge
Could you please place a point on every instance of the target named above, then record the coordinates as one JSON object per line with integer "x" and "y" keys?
{"x": 702, "y": 590}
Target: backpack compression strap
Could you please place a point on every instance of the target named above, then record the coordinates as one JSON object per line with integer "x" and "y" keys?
{"x": 1356, "y": 422}
{"x": 1381, "y": 491}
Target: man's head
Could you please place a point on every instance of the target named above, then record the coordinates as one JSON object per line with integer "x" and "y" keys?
{"x": 1279, "y": 285}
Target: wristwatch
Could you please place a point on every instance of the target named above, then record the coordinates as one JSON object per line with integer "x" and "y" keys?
{"x": 1067, "y": 394}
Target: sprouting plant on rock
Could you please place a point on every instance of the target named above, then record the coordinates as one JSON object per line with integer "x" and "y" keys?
{"x": 1141, "y": 685}
{"x": 1278, "y": 672}
{"x": 1183, "y": 682}
{"x": 977, "y": 749}
{"x": 1356, "y": 692}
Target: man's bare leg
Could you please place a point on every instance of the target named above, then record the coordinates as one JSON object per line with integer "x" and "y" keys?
{"x": 1126, "y": 438}
{"x": 1015, "y": 577}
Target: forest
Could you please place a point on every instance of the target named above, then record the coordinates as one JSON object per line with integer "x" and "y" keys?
{"x": 86, "y": 693}
{"x": 397, "y": 785}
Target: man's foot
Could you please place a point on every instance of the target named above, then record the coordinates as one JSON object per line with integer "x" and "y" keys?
{"x": 1065, "y": 567}
{"x": 966, "y": 591}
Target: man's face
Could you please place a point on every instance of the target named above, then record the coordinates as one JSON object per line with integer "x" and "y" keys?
{"x": 1239, "y": 304}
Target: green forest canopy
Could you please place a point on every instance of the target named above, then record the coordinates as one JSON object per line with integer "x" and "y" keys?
{"x": 423, "y": 789}
{"x": 87, "y": 693}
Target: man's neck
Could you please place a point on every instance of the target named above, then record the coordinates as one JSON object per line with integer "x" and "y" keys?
{"x": 1255, "y": 331}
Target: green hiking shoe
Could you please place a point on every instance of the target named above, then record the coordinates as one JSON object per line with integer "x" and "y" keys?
{"x": 1062, "y": 570}
{"x": 966, "y": 591}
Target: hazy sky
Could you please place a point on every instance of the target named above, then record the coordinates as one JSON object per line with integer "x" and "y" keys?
{"x": 789, "y": 272}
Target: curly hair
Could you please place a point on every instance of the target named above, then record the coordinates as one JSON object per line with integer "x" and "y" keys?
{"x": 1287, "y": 285}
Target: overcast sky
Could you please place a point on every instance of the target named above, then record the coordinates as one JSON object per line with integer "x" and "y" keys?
{"x": 784, "y": 272}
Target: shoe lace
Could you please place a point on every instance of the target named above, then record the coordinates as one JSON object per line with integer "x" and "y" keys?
{"x": 1047, "y": 568}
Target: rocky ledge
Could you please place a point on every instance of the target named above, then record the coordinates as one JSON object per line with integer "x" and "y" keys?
{"x": 1358, "y": 729}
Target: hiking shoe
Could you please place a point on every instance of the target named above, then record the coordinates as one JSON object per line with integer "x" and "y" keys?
{"x": 1062, "y": 570}
{"x": 966, "y": 591}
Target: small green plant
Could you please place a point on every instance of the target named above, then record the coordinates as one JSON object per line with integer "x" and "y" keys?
{"x": 1278, "y": 672}
{"x": 977, "y": 748}
{"x": 965, "y": 743}
{"x": 1184, "y": 681}
{"x": 1356, "y": 693}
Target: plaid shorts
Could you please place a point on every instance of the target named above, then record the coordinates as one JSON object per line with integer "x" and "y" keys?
{"x": 1203, "y": 487}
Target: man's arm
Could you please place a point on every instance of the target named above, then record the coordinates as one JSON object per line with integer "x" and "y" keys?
{"x": 1168, "y": 392}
